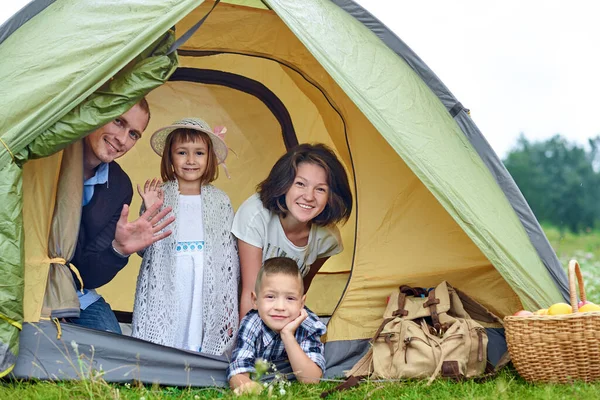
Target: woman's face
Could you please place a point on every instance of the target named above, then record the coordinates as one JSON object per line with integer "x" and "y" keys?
{"x": 309, "y": 193}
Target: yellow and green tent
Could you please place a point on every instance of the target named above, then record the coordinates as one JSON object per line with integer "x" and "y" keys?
{"x": 433, "y": 201}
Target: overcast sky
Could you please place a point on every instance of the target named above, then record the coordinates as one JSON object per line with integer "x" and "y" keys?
{"x": 520, "y": 66}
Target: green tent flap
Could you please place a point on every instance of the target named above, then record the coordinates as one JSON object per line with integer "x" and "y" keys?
{"x": 11, "y": 265}
{"x": 117, "y": 96}
{"x": 65, "y": 66}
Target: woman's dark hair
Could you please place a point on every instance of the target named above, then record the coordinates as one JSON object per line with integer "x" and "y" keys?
{"x": 272, "y": 190}
{"x": 183, "y": 135}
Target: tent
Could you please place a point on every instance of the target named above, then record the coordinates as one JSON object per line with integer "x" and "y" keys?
{"x": 433, "y": 201}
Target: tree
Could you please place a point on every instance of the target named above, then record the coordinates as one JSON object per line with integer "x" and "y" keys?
{"x": 559, "y": 179}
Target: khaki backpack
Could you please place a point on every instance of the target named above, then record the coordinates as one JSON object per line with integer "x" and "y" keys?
{"x": 425, "y": 334}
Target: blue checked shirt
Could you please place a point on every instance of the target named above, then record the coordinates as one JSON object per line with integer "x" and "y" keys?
{"x": 255, "y": 340}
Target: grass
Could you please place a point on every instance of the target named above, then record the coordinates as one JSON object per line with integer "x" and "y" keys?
{"x": 506, "y": 385}
{"x": 585, "y": 248}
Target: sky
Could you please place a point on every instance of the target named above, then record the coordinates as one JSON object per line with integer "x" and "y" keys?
{"x": 530, "y": 67}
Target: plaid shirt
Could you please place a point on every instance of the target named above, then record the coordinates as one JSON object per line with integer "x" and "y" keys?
{"x": 255, "y": 340}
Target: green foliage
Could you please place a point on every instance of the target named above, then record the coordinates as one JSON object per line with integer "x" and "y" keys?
{"x": 559, "y": 179}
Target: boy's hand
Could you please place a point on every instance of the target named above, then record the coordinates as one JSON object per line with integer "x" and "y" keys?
{"x": 248, "y": 388}
{"x": 152, "y": 192}
{"x": 290, "y": 329}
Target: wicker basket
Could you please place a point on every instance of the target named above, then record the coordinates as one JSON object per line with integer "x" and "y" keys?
{"x": 558, "y": 348}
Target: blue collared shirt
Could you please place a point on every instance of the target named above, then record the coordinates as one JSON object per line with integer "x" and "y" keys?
{"x": 256, "y": 340}
{"x": 99, "y": 178}
{"x": 90, "y": 296}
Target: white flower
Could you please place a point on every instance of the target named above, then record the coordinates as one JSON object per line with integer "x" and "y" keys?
{"x": 74, "y": 345}
{"x": 282, "y": 391}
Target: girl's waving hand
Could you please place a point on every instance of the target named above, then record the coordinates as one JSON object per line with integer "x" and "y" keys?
{"x": 152, "y": 192}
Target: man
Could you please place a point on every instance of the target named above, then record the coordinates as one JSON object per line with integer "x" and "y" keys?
{"x": 106, "y": 238}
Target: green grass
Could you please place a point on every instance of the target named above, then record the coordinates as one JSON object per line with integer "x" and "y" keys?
{"x": 585, "y": 248}
{"x": 507, "y": 385}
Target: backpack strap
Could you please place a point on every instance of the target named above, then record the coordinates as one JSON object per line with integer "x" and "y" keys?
{"x": 432, "y": 302}
{"x": 347, "y": 384}
{"x": 383, "y": 324}
{"x": 404, "y": 292}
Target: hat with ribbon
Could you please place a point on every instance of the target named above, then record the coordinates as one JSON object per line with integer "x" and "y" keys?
{"x": 217, "y": 136}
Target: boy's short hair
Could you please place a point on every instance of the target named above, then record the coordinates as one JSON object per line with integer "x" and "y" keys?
{"x": 278, "y": 265}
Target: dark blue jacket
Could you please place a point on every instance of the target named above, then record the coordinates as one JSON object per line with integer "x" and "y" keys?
{"x": 94, "y": 256}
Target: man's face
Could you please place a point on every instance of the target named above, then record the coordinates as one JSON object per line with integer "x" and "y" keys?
{"x": 279, "y": 301}
{"x": 115, "y": 138}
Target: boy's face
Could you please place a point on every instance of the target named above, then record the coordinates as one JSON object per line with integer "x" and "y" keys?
{"x": 279, "y": 301}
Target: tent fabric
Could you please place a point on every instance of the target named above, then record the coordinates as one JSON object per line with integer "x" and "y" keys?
{"x": 426, "y": 138}
{"x": 60, "y": 300}
{"x": 124, "y": 359}
{"x": 81, "y": 352}
{"x": 74, "y": 65}
{"x": 432, "y": 200}
{"x": 11, "y": 269}
{"x": 29, "y": 11}
{"x": 476, "y": 138}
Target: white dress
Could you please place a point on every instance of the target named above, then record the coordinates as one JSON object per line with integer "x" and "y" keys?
{"x": 189, "y": 253}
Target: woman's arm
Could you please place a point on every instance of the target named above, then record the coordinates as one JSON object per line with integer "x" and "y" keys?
{"x": 250, "y": 263}
{"x": 314, "y": 268}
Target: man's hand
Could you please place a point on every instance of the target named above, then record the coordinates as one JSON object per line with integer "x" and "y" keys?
{"x": 290, "y": 328}
{"x": 131, "y": 237}
{"x": 152, "y": 192}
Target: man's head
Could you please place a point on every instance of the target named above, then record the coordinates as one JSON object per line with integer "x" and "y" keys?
{"x": 117, "y": 137}
{"x": 279, "y": 292}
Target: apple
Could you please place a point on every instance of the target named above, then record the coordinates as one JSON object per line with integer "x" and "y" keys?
{"x": 582, "y": 303}
{"x": 523, "y": 313}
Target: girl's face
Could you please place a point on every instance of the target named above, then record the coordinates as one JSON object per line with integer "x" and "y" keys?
{"x": 189, "y": 162}
{"x": 308, "y": 195}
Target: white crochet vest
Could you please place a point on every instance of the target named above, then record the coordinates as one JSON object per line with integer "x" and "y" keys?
{"x": 155, "y": 314}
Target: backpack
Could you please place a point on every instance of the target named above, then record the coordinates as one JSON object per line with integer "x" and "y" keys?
{"x": 425, "y": 334}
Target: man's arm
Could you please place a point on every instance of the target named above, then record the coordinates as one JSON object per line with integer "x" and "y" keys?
{"x": 305, "y": 369}
{"x": 94, "y": 256}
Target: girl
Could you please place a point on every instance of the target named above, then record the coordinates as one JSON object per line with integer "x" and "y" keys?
{"x": 187, "y": 288}
{"x": 293, "y": 214}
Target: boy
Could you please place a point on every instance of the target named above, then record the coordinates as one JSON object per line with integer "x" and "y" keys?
{"x": 278, "y": 328}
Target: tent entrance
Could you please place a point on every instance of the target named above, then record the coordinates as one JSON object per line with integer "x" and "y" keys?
{"x": 267, "y": 108}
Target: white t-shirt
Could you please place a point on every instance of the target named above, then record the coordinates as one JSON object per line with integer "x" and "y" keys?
{"x": 189, "y": 272}
{"x": 259, "y": 227}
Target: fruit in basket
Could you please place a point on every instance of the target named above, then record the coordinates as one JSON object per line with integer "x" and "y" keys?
{"x": 560, "y": 309}
{"x": 523, "y": 313}
{"x": 582, "y": 303}
{"x": 589, "y": 307}
{"x": 543, "y": 311}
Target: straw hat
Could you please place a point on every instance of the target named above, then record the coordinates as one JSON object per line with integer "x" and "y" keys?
{"x": 217, "y": 136}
